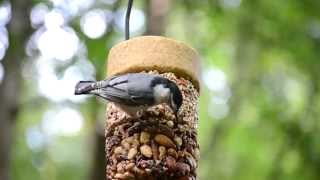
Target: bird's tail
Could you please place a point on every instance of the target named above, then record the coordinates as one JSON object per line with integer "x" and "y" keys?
{"x": 84, "y": 87}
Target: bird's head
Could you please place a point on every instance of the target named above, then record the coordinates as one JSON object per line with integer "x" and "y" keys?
{"x": 168, "y": 92}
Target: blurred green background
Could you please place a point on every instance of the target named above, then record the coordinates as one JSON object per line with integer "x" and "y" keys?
{"x": 259, "y": 106}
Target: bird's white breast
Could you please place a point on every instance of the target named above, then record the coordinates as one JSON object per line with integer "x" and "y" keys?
{"x": 161, "y": 94}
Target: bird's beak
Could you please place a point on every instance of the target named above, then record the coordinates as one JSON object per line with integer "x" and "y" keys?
{"x": 176, "y": 113}
{"x": 174, "y": 108}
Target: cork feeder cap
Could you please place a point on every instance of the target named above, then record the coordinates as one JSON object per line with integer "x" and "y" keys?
{"x": 154, "y": 53}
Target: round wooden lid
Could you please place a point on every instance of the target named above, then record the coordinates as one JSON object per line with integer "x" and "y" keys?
{"x": 155, "y": 53}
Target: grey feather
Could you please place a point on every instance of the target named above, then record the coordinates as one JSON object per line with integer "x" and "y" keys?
{"x": 84, "y": 87}
{"x": 130, "y": 89}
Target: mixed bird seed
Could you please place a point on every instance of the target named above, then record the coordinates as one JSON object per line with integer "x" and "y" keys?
{"x": 156, "y": 146}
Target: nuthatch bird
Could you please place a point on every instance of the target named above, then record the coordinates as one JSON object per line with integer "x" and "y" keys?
{"x": 134, "y": 91}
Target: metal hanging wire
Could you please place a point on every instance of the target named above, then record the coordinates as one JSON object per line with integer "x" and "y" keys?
{"x": 127, "y": 23}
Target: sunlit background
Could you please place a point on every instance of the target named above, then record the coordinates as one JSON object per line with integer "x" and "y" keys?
{"x": 259, "y": 113}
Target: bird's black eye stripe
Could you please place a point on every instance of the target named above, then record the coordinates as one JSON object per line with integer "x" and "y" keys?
{"x": 160, "y": 80}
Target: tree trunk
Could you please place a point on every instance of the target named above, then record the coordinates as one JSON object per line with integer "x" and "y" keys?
{"x": 18, "y": 29}
{"x": 157, "y": 11}
{"x": 98, "y": 168}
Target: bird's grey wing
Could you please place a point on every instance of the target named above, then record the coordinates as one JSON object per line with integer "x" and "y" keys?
{"x": 118, "y": 80}
{"x": 122, "y": 97}
{"x": 117, "y": 90}
{"x": 116, "y": 94}
{"x": 131, "y": 89}
{"x": 139, "y": 88}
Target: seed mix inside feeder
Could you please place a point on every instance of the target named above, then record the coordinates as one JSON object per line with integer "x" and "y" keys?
{"x": 157, "y": 144}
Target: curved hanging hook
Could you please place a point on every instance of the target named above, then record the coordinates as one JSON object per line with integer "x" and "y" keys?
{"x": 127, "y": 25}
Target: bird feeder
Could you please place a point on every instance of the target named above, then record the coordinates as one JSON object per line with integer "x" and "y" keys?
{"x": 157, "y": 145}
